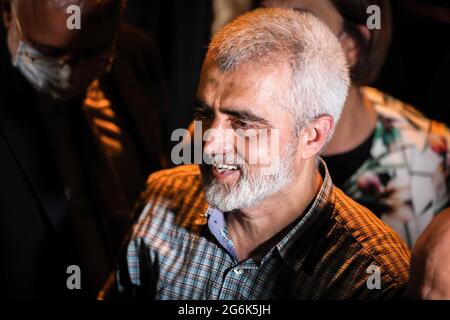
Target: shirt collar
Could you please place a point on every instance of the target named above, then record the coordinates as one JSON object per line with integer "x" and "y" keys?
{"x": 217, "y": 226}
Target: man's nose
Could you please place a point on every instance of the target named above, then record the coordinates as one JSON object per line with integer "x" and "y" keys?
{"x": 219, "y": 139}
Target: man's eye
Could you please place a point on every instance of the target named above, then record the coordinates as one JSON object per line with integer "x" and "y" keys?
{"x": 241, "y": 125}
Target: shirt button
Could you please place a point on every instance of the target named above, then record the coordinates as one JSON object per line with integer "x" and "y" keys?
{"x": 238, "y": 271}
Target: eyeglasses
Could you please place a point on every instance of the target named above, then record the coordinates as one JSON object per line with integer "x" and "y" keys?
{"x": 106, "y": 53}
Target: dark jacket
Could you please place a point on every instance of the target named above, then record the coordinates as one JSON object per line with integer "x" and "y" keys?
{"x": 37, "y": 241}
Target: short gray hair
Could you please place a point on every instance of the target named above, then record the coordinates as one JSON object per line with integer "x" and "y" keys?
{"x": 320, "y": 76}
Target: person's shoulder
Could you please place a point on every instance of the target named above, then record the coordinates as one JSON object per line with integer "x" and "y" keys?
{"x": 180, "y": 180}
{"x": 403, "y": 115}
{"x": 427, "y": 140}
{"x": 362, "y": 224}
{"x": 373, "y": 240}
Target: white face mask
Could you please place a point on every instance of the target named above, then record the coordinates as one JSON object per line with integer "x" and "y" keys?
{"x": 53, "y": 77}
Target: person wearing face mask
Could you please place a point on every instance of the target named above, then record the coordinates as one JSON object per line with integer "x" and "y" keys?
{"x": 385, "y": 154}
{"x": 81, "y": 127}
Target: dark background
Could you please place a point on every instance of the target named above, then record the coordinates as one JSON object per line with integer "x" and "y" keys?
{"x": 416, "y": 71}
{"x": 182, "y": 32}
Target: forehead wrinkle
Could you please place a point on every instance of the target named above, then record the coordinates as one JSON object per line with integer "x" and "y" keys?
{"x": 247, "y": 84}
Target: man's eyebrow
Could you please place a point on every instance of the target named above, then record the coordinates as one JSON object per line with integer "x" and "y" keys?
{"x": 245, "y": 115}
{"x": 203, "y": 106}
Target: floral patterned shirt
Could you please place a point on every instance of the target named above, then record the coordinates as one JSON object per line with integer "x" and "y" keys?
{"x": 405, "y": 181}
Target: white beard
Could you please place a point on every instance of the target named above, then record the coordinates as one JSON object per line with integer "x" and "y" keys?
{"x": 250, "y": 189}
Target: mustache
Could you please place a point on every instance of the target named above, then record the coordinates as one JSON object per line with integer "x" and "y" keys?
{"x": 229, "y": 159}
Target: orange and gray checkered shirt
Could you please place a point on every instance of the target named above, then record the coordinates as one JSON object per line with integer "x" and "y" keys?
{"x": 179, "y": 249}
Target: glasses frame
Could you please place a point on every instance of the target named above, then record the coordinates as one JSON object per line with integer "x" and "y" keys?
{"x": 62, "y": 62}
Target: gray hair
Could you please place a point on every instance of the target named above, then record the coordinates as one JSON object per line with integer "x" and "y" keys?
{"x": 320, "y": 76}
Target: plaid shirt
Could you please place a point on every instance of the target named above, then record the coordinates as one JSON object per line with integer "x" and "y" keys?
{"x": 180, "y": 249}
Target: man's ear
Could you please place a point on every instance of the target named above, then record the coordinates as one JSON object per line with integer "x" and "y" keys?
{"x": 351, "y": 47}
{"x": 316, "y": 135}
{"x": 6, "y": 13}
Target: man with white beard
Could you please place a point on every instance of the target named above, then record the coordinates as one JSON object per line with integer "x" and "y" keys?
{"x": 277, "y": 229}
